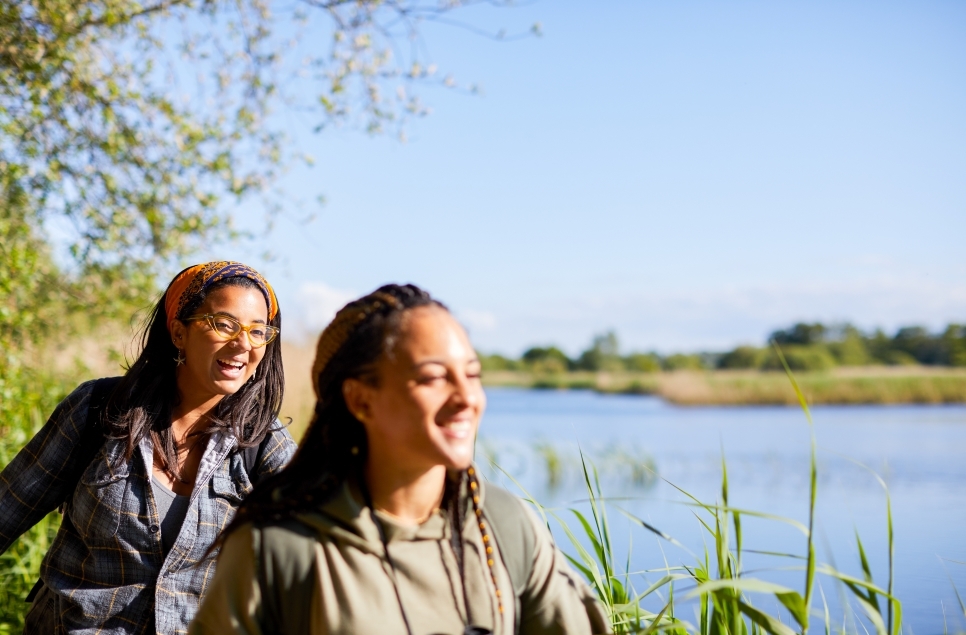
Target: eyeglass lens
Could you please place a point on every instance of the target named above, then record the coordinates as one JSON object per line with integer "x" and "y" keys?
{"x": 230, "y": 328}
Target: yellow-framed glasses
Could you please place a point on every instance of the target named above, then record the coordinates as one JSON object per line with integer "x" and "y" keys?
{"x": 228, "y": 328}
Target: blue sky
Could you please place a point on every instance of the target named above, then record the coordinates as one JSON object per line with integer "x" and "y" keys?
{"x": 692, "y": 175}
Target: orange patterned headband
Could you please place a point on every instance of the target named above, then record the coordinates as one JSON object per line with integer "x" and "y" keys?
{"x": 193, "y": 280}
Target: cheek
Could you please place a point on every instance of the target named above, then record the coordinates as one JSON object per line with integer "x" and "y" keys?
{"x": 202, "y": 349}
{"x": 403, "y": 416}
{"x": 257, "y": 359}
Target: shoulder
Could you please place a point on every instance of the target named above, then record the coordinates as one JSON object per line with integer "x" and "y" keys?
{"x": 278, "y": 432}
{"x": 71, "y": 413}
{"x": 516, "y": 530}
{"x": 505, "y": 507}
{"x": 284, "y": 549}
{"x": 80, "y": 396}
{"x": 277, "y": 447}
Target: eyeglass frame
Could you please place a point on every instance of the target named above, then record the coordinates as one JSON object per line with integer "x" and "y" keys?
{"x": 242, "y": 328}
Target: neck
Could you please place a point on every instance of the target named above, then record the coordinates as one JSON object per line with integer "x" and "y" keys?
{"x": 409, "y": 495}
{"x": 191, "y": 414}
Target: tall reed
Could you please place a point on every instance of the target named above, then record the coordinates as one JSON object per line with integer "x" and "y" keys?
{"x": 716, "y": 581}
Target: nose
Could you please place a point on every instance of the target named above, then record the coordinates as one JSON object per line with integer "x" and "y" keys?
{"x": 466, "y": 393}
{"x": 242, "y": 341}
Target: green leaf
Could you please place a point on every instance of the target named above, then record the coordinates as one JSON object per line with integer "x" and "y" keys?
{"x": 795, "y": 604}
{"x": 765, "y": 621}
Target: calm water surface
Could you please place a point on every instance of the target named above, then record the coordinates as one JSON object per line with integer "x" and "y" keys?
{"x": 919, "y": 451}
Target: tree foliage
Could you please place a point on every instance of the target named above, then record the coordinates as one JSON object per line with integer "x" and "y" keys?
{"x": 127, "y": 126}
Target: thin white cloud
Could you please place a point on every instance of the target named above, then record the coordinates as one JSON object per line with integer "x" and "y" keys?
{"x": 720, "y": 318}
{"x": 477, "y": 320}
{"x": 318, "y": 304}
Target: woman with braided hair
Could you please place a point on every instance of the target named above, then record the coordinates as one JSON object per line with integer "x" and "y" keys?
{"x": 380, "y": 523}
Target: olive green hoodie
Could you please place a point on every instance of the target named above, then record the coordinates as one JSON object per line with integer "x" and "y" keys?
{"x": 326, "y": 572}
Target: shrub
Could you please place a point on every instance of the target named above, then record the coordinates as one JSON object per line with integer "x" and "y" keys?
{"x": 899, "y": 358}
{"x": 643, "y": 362}
{"x": 498, "y": 362}
{"x": 851, "y": 351}
{"x": 683, "y": 362}
{"x": 805, "y": 358}
{"x": 550, "y": 360}
{"x": 743, "y": 357}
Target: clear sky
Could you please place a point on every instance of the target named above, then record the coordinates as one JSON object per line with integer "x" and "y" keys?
{"x": 690, "y": 174}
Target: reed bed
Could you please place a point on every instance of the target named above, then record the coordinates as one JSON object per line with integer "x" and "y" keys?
{"x": 725, "y": 598}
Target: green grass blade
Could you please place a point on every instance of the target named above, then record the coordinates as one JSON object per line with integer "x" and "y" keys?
{"x": 828, "y": 618}
{"x": 962, "y": 606}
{"x": 795, "y": 603}
{"x": 592, "y": 536}
{"x": 651, "y": 528}
{"x": 750, "y": 585}
{"x": 767, "y": 622}
{"x": 873, "y": 614}
{"x": 869, "y": 586}
{"x": 813, "y": 486}
{"x": 867, "y": 572}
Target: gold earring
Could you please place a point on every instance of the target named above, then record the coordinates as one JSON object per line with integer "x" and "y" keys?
{"x": 180, "y": 359}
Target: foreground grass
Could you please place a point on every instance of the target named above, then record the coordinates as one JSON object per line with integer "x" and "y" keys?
{"x": 26, "y": 398}
{"x": 872, "y": 385}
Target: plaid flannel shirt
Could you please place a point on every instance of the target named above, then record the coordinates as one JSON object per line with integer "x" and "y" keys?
{"x": 106, "y": 571}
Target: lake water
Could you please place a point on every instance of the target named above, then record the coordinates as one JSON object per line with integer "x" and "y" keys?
{"x": 919, "y": 451}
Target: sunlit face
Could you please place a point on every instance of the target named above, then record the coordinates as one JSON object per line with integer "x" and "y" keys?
{"x": 425, "y": 407}
{"x": 214, "y": 367}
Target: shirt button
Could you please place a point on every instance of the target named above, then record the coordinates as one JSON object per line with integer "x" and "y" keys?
{"x": 154, "y": 529}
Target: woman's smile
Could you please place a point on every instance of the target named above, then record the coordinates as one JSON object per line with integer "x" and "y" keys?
{"x": 458, "y": 428}
{"x": 231, "y": 368}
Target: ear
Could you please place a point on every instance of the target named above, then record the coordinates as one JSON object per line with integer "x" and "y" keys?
{"x": 358, "y": 398}
{"x": 178, "y": 333}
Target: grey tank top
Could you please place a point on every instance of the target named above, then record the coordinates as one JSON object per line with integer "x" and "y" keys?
{"x": 172, "y": 509}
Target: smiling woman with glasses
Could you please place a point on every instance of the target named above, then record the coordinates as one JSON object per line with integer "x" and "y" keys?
{"x": 381, "y": 524}
{"x": 150, "y": 467}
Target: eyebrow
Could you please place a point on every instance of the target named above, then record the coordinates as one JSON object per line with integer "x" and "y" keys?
{"x": 440, "y": 362}
{"x": 229, "y": 314}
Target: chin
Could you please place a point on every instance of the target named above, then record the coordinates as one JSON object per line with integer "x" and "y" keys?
{"x": 226, "y": 388}
{"x": 459, "y": 459}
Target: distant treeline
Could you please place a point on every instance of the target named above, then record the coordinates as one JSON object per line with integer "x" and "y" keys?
{"x": 805, "y": 346}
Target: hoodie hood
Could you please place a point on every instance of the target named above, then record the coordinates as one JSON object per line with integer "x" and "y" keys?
{"x": 346, "y": 518}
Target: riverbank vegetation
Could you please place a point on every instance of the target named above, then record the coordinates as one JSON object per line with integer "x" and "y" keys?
{"x": 806, "y": 347}
{"x": 835, "y": 365}
{"x": 867, "y": 385}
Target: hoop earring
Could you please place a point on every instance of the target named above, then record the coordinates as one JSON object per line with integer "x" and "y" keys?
{"x": 180, "y": 359}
